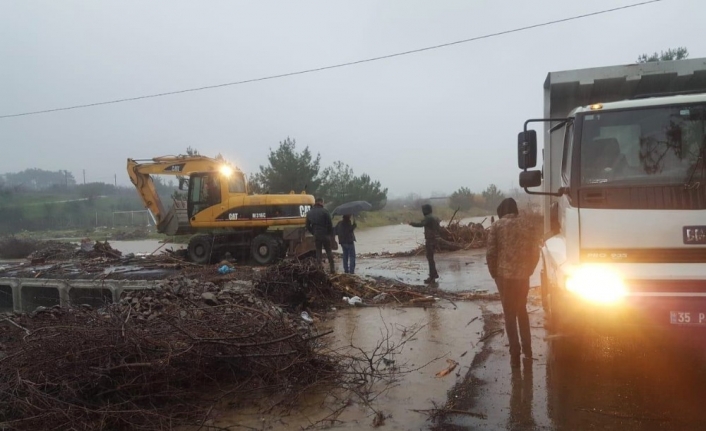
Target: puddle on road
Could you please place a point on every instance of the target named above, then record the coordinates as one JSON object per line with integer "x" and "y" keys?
{"x": 446, "y": 334}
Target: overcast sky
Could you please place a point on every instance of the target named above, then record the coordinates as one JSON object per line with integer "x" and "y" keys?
{"x": 422, "y": 123}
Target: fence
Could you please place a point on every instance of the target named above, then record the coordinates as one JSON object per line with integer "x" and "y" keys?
{"x": 132, "y": 218}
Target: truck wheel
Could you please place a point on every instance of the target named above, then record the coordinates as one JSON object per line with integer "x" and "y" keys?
{"x": 200, "y": 249}
{"x": 265, "y": 249}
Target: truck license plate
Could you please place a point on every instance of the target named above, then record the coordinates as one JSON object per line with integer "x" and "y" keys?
{"x": 687, "y": 318}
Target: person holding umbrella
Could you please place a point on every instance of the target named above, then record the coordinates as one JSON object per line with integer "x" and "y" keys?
{"x": 431, "y": 225}
{"x": 346, "y": 237}
{"x": 345, "y": 231}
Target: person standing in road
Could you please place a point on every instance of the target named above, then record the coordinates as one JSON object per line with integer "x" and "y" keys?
{"x": 346, "y": 237}
{"x": 512, "y": 256}
{"x": 319, "y": 224}
{"x": 431, "y": 226}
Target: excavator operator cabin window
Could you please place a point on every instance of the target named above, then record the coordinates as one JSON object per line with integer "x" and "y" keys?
{"x": 213, "y": 190}
{"x": 236, "y": 183}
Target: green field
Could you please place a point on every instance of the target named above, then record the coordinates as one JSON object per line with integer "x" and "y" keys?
{"x": 69, "y": 213}
{"x": 69, "y": 210}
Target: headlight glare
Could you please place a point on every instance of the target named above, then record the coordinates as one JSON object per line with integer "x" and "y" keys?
{"x": 597, "y": 284}
{"x": 226, "y": 170}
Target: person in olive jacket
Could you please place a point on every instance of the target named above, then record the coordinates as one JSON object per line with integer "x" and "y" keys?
{"x": 431, "y": 226}
{"x": 319, "y": 224}
{"x": 346, "y": 237}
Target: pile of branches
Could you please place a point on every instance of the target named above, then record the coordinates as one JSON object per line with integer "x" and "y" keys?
{"x": 12, "y": 247}
{"x": 303, "y": 285}
{"x": 453, "y": 237}
{"x": 152, "y": 361}
{"x": 465, "y": 236}
{"x": 131, "y": 235}
{"x": 54, "y": 251}
{"x": 383, "y": 290}
{"x": 297, "y": 284}
{"x": 102, "y": 249}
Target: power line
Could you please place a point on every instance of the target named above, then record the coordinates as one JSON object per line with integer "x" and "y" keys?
{"x": 335, "y": 66}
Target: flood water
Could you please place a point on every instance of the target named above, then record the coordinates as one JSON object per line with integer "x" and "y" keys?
{"x": 460, "y": 271}
{"x": 448, "y": 331}
{"x": 392, "y": 239}
{"x": 445, "y": 334}
{"x": 144, "y": 246}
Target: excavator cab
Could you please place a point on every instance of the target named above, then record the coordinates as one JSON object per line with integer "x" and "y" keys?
{"x": 204, "y": 192}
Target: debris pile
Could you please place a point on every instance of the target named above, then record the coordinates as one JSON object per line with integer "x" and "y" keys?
{"x": 452, "y": 237}
{"x": 130, "y": 235}
{"x": 302, "y": 285}
{"x": 12, "y": 247}
{"x": 52, "y": 250}
{"x": 465, "y": 236}
{"x": 380, "y": 290}
{"x": 297, "y": 284}
{"x": 153, "y": 360}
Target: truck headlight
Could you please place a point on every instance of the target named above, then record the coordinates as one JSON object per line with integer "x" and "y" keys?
{"x": 597, "y": 284}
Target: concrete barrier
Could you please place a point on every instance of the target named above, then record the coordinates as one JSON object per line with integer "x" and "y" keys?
{"x": 26, "y": 294}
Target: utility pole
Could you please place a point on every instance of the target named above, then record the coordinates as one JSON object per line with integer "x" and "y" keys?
{"x": 115, "y": 179}
{"x": 84, "y": 177}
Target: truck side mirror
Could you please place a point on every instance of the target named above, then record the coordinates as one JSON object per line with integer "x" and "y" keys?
{"x": 527, "y": 149}
{"x": 530, "y": 179}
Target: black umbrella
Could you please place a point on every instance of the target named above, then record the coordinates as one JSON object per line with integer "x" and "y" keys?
{"x": 352, "y": 208}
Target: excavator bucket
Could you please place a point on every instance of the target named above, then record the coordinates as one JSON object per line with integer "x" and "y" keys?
{"x": 176, "y": 221}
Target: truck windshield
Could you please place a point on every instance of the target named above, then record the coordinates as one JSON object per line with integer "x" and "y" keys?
{"x": 660, "y": 145}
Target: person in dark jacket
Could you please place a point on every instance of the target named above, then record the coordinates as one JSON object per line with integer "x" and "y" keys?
{"x": 512, "y": 255}
{"x": 346, "y": 237}
{"x": 431, "y": 226}
{"x": 319, "y": 224}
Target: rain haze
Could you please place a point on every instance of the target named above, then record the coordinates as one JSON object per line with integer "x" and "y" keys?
{"x": 422, "y": 123}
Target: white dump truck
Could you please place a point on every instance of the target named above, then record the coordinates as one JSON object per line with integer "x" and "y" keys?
{"x": 624, "y": 186}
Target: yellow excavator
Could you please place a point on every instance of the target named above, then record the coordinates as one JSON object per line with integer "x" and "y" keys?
{"x": 221, "y": 213}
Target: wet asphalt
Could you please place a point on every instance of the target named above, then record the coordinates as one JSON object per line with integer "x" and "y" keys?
{"x": 636, "y": 381}
{"x": 622, "y": 382}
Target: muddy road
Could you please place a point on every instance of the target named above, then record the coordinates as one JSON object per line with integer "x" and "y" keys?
{"x": 608, "y": 383}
